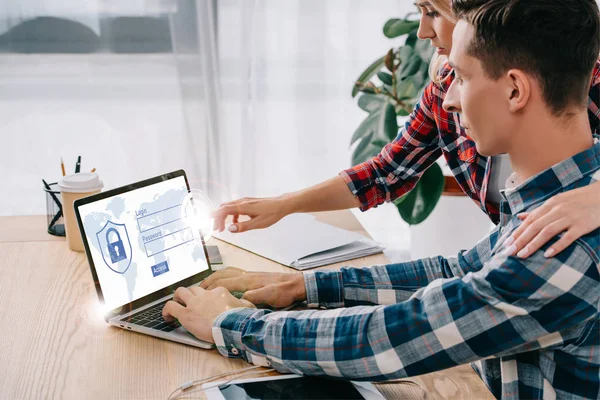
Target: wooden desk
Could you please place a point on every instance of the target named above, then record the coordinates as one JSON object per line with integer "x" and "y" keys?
{"x": 55, "y": 343}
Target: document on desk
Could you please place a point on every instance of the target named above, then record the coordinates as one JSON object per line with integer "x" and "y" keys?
{"x": 301, "y": 242}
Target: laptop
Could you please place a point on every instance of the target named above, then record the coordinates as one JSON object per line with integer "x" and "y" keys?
{"x": 140, "y": 251}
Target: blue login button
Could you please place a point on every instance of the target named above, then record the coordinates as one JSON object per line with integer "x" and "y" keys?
{"x": 160, "y": 269}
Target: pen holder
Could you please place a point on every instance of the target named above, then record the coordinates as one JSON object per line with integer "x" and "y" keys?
{"x": 54, "y": 213}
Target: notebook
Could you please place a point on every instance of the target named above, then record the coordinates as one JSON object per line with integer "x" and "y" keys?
{"x": 301, "y": 242}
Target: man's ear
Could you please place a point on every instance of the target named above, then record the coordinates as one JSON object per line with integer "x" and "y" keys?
{"x": 518, "y": 89}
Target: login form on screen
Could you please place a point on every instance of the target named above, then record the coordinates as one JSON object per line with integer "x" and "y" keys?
{"x": 139, "y": 243}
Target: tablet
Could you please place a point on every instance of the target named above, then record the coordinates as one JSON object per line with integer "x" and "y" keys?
{"x": 290, "y": 387}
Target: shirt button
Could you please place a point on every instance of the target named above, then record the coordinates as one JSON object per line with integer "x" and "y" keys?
{"x": 235, "y": 351}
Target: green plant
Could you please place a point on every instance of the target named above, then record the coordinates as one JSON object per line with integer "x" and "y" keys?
{"x": 402, "y": 74}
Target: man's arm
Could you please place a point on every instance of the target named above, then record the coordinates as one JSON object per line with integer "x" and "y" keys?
{"x": 392, "y": 283}
{"x": 510, "y": 303}
{"x": 382, "y": 284}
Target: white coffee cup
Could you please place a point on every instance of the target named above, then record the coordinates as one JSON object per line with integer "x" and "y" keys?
{"x": 73, "y": 187}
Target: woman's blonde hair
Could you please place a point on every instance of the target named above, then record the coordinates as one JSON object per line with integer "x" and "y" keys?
{"x": 444, "y": 7}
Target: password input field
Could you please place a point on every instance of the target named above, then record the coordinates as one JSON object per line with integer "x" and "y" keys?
{"x": 169, "y": 241}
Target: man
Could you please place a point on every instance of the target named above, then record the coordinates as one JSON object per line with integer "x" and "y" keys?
{"x": 530, "y": 326}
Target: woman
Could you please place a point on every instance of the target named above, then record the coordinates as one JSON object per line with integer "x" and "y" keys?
{"x": 429, "y": 133}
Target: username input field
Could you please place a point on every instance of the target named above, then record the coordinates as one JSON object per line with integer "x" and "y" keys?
{"x": 159, "y": 218}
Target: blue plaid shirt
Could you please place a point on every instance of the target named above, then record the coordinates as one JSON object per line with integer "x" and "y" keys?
{"x": 529, "y": 326}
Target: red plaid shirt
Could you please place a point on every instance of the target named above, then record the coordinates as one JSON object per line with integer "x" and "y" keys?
{"x": 430, "y": 132}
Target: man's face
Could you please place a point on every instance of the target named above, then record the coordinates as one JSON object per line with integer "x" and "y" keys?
{"x": 481, "y": 101}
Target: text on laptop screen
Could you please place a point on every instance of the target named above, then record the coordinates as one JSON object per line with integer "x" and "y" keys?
{"x": 139, "y": 242}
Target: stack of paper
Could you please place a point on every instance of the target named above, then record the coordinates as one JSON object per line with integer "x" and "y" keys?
{"x": 300, "y": 241}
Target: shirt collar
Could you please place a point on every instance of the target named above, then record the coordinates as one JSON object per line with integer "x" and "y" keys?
{"x": 522, "y": 195}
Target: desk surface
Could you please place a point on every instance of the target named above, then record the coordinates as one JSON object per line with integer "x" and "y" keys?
{"x": 55, "y": 343}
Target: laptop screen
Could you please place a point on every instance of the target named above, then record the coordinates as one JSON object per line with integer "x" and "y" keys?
{"x": 139, "y": 243}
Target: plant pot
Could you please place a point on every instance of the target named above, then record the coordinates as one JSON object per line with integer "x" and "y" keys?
{"x": 455, "y": 224}
{"x": 451, "y": 187}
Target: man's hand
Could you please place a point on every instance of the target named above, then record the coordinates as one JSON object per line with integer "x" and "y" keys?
{"x": 197, "y": 309}
{"x": 274, "y": 289}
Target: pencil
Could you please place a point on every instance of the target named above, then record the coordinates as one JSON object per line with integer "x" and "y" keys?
{"x": 62, "y": 166}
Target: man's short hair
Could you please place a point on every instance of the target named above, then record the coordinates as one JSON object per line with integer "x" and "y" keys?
{"x": 557, "y": 41}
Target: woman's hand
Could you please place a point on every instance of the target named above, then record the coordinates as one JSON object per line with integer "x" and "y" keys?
{"x": 263, "y": 212}
{"x": 574, "y": 213}
{"x": 332, "y": 194}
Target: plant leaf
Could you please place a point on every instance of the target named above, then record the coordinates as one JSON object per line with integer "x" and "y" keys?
{"x": 370, "y": 102}
{"x": 424, "y": 50}
{"x": 387, "y": 88}
{"x": 397, "y": 27}
{"x": 368, "y": 126}
{"x": 407, "y": 89}
{"x": 385, "y": 78}
{"x": 367, "y": 75}
{"x": 421, "y": 201}
{"x": 401, "y": 200}
{"x": 412, "y": 39}
{"x": 365, "y": 150}
{"x": 357, "y": 156}
{"x": 411, "y": 67}
{"x": 388, "y": 124}
{"x": 382, "y": 122}
{"x": 389, "y": 60}
{"x": 405, "y": 53}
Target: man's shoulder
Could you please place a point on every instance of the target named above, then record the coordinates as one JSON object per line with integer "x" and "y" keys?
{"x": 582, "y": 255}
{"x": 589, "y": 243}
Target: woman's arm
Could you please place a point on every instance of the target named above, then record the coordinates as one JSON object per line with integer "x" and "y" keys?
{"x": 399, "y": 166}
{"x": 386, "y": 177}
{"x": 330, "y": 195}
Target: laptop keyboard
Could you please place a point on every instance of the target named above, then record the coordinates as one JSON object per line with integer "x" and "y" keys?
{"x": 152, "y": 318}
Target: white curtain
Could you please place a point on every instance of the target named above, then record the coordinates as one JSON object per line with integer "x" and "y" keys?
{"x": 100, "y": 80}
{"x": 253, "y": 98}
{"x": 287, "y": 70}
{"x": 194, "y": 33}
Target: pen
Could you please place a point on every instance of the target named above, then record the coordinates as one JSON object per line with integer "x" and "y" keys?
{"x": 78, "y": 165}
{"x": 46, "y": 184}
{"x": 60, "y": 212}
{"x": 50, "y": 192}
{"x": 62, "y": 166}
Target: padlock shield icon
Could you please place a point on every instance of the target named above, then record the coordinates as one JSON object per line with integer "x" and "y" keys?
{"x": 115, "y": 246}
